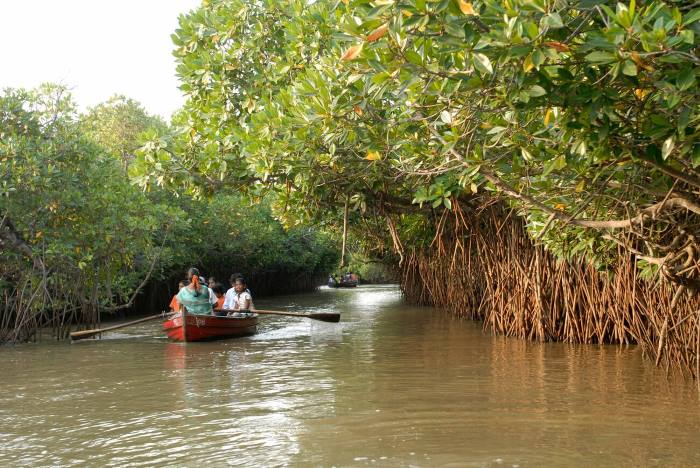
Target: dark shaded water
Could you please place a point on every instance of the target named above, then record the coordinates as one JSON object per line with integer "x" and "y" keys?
{"x": 391, "y": 385}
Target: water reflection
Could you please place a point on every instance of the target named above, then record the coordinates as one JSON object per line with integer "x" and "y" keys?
{"x": 391, "y": 385}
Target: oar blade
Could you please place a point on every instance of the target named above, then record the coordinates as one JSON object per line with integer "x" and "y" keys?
{"x": 75, "y": 336}
{"x": 325, "y": 316}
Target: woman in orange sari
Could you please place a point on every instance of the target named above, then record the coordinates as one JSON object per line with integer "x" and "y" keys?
{"x": 174, "y": 305}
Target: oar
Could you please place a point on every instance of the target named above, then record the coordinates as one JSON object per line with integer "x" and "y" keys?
{"x": 79, "y": 335}
{"x": 323, "y": 316}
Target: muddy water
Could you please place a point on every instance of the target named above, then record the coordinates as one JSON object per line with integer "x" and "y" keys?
{"x": 391, "y": 385}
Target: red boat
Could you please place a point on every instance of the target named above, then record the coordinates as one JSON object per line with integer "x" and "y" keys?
{"x": 209, "y": 327}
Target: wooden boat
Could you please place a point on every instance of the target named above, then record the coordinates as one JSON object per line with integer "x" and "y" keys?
{"x": 191, "y": 327}
{"x": 349, "y": 280}
{"x": 343, "y": 284}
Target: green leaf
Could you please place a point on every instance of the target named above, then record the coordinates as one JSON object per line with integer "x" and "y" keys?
{"x": 482, "y": 63}
{"x": 536, "y": 91}
{"x": 557, "y": 163}
{"x": 600, "y": 57}
{"x": 534, "y": 4}
{"x": 691, "y": 17}
{"x": 560, "y": 161}
{"x": 497, "y": 129}
{"x": 553, "y": 21}
{"x": 629, "y": 68}
{"x": 696, "y": 155}
{"x": 623, "y": 15}
{"x": 688, "y": 36}
{"x": 685, "y": 79}
{"x": 413, "y": 57}
{"x": 537, "y": 58}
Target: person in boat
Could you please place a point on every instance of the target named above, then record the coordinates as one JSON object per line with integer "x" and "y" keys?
{"x": 219, "y": 292}
{"x": 196, "y": 297}
{"x": 332, "y": 281}
{"x": 231, "y": 293}
{"x": 203, "y": 281}
{"x": 174, "y": 305}
{"x": 230, "y": 296}
{"x": 241, "y": 301}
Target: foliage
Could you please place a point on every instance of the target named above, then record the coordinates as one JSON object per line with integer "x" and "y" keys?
{"x": 233, "y": 57}
{"x": 227, "y": 234}
{"x": 72, "y": 225}
{"x": 117, "y": 125}
{"x": 583, "y": 115}
{"x": 78, "y": 237}
{"x": 571, "y": 109}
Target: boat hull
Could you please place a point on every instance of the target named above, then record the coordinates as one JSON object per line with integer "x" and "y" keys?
{"x": 209, "y": 327}
{"x": 352, "y": 284}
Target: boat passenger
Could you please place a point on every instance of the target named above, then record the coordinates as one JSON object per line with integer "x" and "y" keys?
{"x": 196, "y": 296}
{"x": 174, "y": 306}
{"x": 230, "y": 296}
{"x": 231, "y": 293}
{"x": 241, "y": 302}
{"x": 219, "y": 292}
{"x": 194, "y": 271}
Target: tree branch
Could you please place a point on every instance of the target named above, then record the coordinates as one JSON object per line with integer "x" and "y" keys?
{"x": 145, "y": 280}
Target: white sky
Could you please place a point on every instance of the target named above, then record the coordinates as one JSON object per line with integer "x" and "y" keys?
{"x": 97, "y": 47}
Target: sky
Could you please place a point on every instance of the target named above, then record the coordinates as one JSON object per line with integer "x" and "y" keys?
{"x": 98, "y": 48}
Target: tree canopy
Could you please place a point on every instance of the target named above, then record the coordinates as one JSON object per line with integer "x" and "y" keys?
{"x": 117, "y": 125}
{"x": 581, "y": 115}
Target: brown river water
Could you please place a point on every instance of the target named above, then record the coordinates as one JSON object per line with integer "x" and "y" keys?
{"x": 391, "y": 385}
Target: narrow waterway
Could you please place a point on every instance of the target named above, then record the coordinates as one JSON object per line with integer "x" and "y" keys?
{"x": 391, "y": 385}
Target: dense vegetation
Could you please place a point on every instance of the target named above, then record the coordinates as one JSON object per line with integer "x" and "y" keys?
{"x": 580, "y": 117}
{"x": 78, "y": 238}
{"x": 488, "y": 151}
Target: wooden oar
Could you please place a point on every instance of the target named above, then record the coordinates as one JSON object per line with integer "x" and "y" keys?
{"x": 323, "y": 316}
{"x": 79, "y": 335}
